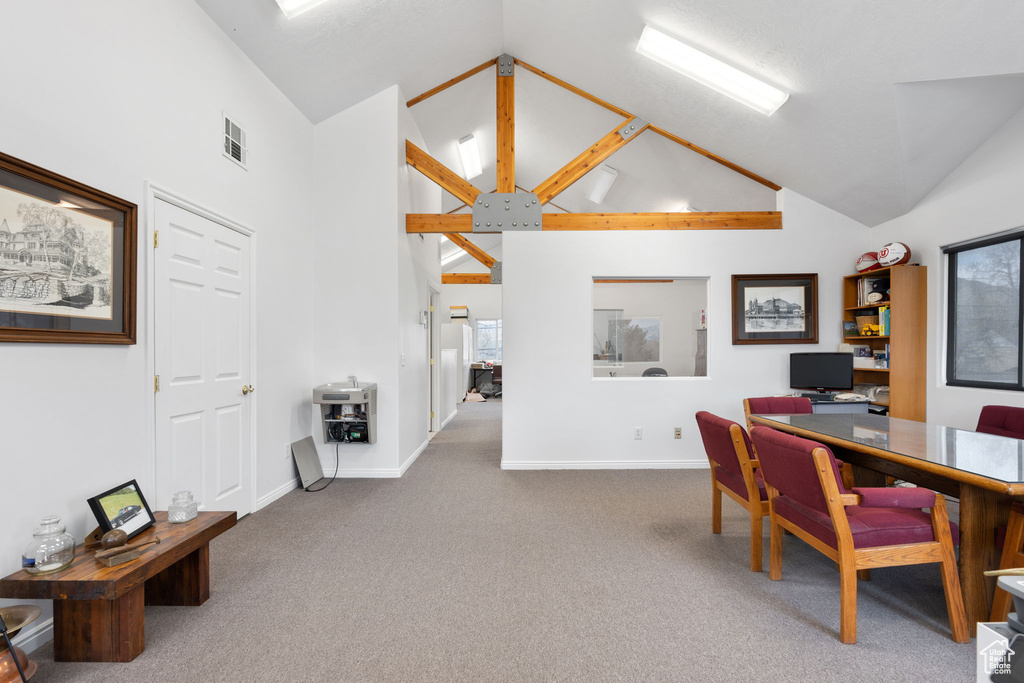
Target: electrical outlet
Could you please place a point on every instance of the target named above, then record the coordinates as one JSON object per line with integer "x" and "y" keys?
{"x": 638, "y": 433}
{"x": 679, "y": 432}
{"x": 287, "y": 451}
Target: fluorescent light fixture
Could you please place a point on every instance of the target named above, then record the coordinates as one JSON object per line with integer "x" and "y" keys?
{"x": 470, "y": 153}
{"x": 293, "y": 8}
{"x": 606, "y": 175}
{"x": 711, "y": 72}
{"x": 453, "y": 256}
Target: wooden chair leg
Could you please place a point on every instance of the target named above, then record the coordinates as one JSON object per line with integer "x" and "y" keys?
{"x": 716, "y": 507}
{"x": 775, "y": 552}
{"x": 755, "y": 540}
{"x": 954, "y": 598}
{"x": 848, "y": 603}
{"x": 1001, "y": 600}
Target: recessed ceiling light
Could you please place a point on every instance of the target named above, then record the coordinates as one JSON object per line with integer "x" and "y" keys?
{"x": 606, "y": 175}
{"x": 711, "y": 72}
{"x": 293, "y": 8}
{"x": 469, "y": 150}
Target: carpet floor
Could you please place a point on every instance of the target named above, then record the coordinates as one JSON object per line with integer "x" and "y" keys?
{"x": 460, "y": 571}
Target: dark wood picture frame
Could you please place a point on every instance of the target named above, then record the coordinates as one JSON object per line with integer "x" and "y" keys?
{"x": 775, "y": 321}
{"x": 67, "y": 215}
{"x": 108, "y": 523}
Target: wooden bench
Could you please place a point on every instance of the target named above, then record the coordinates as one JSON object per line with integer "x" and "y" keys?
{"x": 99, "y": 612}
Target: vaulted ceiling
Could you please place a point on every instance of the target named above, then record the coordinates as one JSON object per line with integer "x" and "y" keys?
{"x": 887, "y": 98}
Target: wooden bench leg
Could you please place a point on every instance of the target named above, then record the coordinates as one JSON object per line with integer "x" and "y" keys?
{"x": 100, "y": 630}
{"x": 186, "y": 583}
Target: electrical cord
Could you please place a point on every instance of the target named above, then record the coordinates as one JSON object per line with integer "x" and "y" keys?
{"x": 331, "y": 480}
{"x": 10, "y": 648}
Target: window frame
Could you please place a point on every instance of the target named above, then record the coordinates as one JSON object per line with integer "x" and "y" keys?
{"x": 951, "y": 253}
{"x": 499, "y": 342}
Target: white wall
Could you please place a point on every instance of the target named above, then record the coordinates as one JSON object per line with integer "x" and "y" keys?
{"x": 371, "y": 279}
{"x": 578, "y": 421}
{"x": 128, "y": 92}
{"x": 985, "y": 195}
{"x": 677, "y": 304}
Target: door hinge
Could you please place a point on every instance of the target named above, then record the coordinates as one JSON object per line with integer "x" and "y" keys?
{"x": 431, "y": 414}
{"x": 431, "y": 361}
{"x": 156, "y": 383}
{"x": 156, "y": 239}
{"x": 431, "y": 309}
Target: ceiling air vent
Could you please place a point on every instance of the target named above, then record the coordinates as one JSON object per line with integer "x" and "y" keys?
{"x": 234, "y": 142}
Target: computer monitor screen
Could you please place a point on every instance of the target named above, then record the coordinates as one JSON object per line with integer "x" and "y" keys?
{"x": 821, "y": 371}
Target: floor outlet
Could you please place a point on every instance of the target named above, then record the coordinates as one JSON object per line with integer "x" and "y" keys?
{"x": 679, "y": 432}
{"x": 638, "y": 433}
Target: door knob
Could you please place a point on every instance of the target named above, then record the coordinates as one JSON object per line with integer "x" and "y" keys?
{"x": 248, "y": 389}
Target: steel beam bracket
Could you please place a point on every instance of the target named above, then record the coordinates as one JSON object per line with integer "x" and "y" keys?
{"x": 631, "y": 128}
{"x": 496, "y": 273}
{"x": 506, "y": 212}
{"x": 506, "y": 65}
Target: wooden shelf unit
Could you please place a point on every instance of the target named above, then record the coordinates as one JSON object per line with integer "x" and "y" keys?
{"x": 907, "y": 338}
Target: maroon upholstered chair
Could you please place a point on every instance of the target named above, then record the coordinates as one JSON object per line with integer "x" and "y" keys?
{"x": 734, "y": 473}
{"x": 872, "y": 527}
{"x": 1002, "y": 421}
{"x": 776, "y": 405}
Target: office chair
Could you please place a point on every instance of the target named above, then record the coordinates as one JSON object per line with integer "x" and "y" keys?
{"x": 496, "y": 380}
{"x": 655, "y": 372}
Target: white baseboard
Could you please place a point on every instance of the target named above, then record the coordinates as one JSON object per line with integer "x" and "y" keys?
{"x": 412, "y": 458}
{"x": 448, "y": 419}
{"x": 35, "y": 637}
{"x": 279, "y": 492}
{"x": 604, "y": 465}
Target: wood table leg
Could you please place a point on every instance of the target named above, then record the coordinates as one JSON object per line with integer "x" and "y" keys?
{"x": 100, "y": 630}
{"x": 981, "y": 511}
{"x": 186, "y": 583}
{"x": 862, "y": 476}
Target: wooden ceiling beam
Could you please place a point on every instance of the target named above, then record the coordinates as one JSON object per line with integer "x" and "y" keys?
{"x": 465, "y": 278}
{"x": 448, "y": 179}
{"x": 471, "y": 249}
{"x": 588, "y": 160}
{"x": 506, "y": 131}
{"x": 697, "y": 220}
{"x": 447, "y": 84}
{"x": 573, "y": 89}
{"x": 714, "y": 157}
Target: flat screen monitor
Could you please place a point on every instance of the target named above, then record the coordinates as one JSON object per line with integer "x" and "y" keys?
{"x": 821, "y": 371}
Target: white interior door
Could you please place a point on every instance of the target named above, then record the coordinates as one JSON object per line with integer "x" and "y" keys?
{"x": 203, "y": 418}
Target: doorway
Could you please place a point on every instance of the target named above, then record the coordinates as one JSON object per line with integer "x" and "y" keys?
{"x": 204, "y": 367}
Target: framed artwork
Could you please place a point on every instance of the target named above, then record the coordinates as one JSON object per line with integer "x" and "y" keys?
{"x": 775, "y": 309}
{"x": 122, "y": 507}
{"x": 67, "y": 259}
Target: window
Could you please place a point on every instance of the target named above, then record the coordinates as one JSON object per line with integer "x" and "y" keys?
{"x": 984, "y": 320}
{"x": 488, "y": 339}
{"x": 649, "y": 327}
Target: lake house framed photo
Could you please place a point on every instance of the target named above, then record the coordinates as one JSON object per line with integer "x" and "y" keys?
{"x": 775, "y": 309}
{"x": 67, "y": 259}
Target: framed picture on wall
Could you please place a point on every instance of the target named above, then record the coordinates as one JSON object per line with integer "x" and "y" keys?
{"x": 67, "y": 259}
{"x": 775, "y": 309}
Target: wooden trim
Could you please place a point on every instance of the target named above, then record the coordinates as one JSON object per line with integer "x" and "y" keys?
{"x": 714, "y": 157}
{"x": 505, "y": 89}
{"x": 447, "y": 84}
{"x": 735, "y": 220}
{"x": 465, "y": 278}
{"x": 448, "y": 179}
{"x": 585, "y": 162}
{"x": 573, "y": 89}
{"x": 471, "y": 249}
{"x": 700, "y": 220}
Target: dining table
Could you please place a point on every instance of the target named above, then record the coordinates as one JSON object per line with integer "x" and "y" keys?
{"x": 984, "y": 472}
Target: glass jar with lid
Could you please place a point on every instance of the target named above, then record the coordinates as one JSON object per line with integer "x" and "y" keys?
{"x": 51, "y": 549}
{"x": 182, "y": 508}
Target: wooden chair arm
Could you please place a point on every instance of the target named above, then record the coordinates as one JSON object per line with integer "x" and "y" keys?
{"x": 848, "y": 499}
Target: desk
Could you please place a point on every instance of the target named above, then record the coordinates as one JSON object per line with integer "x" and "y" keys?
{"x": 984, "y": 471}
{"x": 99, "y": 612}
{"x": 478, "y": 371}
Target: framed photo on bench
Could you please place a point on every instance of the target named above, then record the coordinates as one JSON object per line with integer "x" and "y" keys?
{"x": 123, "y": 507}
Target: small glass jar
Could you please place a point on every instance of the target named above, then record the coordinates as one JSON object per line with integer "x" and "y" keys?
{"x": 182, "y": 508}
{"x": 51, "y": 549}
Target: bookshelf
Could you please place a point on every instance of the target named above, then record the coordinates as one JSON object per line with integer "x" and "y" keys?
{"x": 906, "y": 375}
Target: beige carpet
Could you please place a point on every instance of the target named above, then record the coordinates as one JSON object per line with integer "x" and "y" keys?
{"x": 459, "y": 571}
